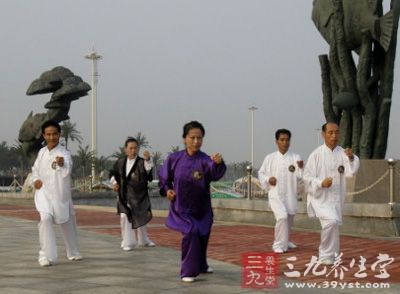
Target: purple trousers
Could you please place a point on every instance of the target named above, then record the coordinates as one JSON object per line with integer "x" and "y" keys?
{"x": 194, "y": 254}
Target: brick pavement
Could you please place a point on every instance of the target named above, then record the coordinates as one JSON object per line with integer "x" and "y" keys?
{"x": 229, "y": 240}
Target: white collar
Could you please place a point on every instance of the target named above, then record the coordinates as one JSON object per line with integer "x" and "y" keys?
{"x": 55, "y": 148}
{"x": 282, "y": 155}
{"x": 131, "y": 160}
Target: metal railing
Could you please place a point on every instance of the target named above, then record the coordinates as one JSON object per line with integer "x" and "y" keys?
{"x": 254, "y": 190}
{"x": 90, "y": 184}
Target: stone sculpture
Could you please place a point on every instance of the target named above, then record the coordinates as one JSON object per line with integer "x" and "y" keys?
{"x": 65, "y": 87}
{"x": 358, "y": 97}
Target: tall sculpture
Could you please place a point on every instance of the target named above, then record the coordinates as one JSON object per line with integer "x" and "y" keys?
{"x": 65, "y": 87}
{"x": 358, "y": 97}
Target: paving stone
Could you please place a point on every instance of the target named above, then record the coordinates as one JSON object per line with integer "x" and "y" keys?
{"x": 108, "y": 269}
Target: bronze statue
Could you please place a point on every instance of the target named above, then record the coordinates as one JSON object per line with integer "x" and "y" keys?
{"x": 358, "y": 98}
{"x": 65, "y": 87}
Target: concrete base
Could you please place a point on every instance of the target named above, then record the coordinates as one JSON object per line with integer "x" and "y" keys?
{"x": 371, "y": 171}
{"x": 358, "y": 218}
{"x": 16, "y": 195}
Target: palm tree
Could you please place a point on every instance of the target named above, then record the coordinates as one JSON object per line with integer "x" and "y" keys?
{"x": 4, "y": 156}
{"x": 83, "y": 161}
{"x": 174, "y": 149}
{"x": 142, "y": 141}
{"x": 11, "y": 157}
{"x": 69, "y": 132}
{"x": 157, "y": 161}
{"x": 120, "y": 153}
{"x": 19, "y": 154}
{"x": 102, "y": 163}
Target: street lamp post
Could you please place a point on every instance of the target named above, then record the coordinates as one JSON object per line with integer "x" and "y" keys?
{"x": 94, "y": 57}
{"x": 391, "y": 162}
{"x": 250, "y": 168}
{"x": 252, "y": 109}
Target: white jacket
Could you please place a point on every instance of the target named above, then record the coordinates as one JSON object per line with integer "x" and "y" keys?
{"x": 54, "y": 197}
{"x": 283, "y": 196}
{"x": 327, "y": 203}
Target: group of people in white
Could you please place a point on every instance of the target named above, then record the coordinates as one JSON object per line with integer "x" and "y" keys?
{"x": 324, "y": 177}
{"x": 323, "y": 174}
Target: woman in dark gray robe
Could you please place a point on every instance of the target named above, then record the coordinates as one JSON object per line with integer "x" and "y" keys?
{"x": 131, "y": 175}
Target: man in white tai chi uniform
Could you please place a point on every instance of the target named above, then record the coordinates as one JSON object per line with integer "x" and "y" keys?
{"x": 324, "y": 175}
{"x": 279, "y": 174}
{"x": 51, "y": 177}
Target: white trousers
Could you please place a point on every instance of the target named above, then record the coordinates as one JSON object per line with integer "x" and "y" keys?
{"x": 283, "y": 227}
{"x": 47, "y": 237}
{"x": 329, "y": 239}
{"x": 132, "y": 237}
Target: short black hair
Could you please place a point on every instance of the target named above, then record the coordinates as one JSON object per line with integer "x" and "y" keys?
{"x": 51, "y": 123}
{"x": 282, "y": 132}
{"x": 129, "y": 140}
{"x": 192, "y": 125}
{"x": 323, "y": 128}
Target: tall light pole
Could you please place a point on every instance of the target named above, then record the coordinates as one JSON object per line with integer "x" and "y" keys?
{"x": 94, "y": 57}
{"x": 252, "y": 109}
{"x": 249, "y": 169}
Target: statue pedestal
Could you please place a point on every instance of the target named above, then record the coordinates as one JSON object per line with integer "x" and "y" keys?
{"x": 370, "y": 172}
{"x": 361, "y": 219}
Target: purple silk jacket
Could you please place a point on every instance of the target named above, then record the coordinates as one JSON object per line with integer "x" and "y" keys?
{"x": 190, "y": 177}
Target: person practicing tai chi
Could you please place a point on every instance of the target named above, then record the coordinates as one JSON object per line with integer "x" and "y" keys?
{"x": 325, "y": 177}
{"x": 185, "y": 179}
{"x": 279, "y": 175}
{"x": 51, "y": 178}
{"x": 130, "y": 177}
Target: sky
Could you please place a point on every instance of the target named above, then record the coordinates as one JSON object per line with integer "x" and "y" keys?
{"x": 167, "y": 62}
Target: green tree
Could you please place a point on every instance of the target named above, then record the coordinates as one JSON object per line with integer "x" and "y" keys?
{"x": 83, "y": 161}
{"x": 120, "y": 153}
{"x": 157, "y": 161}
{"x": 142, "y": 141}
{"x": 102, "y": 163}
{"x": 19, "y": 155}
{"x": 174, "y": 149}
{"x": 70, "y": 132}
{"x": 4, "y": 156}
{"x": 237, "y": 170}
{"x": 10, "y": 158}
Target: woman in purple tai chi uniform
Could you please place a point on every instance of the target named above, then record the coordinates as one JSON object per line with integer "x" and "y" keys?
{"x": 185, "y": 179}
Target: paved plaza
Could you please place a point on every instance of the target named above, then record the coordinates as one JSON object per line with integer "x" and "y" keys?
{"x": 107, "y": 269}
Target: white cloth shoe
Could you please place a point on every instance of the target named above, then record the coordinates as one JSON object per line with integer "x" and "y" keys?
{"x": 127, "y": 248}
{"x": 326, "y": 261}
{"x": 291, "y": 245}
{"x": 278, "y": 250}
{"x": 75, "y": 258}
{"x": 148, "y": 244}
{"x": 43, "y": 261}
{"x": 209, "y": 270}
{"x": 188, "y": 279}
